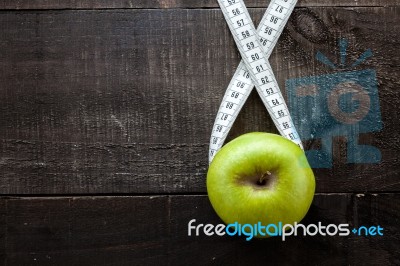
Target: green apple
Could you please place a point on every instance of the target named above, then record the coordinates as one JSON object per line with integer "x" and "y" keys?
{"x": 260, "y": 177}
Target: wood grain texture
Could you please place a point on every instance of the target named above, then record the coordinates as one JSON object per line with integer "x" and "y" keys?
{"x": 120, "y": 96}
{"x": 153, "y": 231}
{"x": 132, "y": 4}
{"x": 123, "y": 101}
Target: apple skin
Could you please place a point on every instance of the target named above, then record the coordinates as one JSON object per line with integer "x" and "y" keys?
{"x": 260, "y": 177}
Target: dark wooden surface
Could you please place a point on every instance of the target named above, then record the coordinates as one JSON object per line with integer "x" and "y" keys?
{"x": 106, "y": 109}
{"x": 131, "y": 4}
{"x": 153, "y": 231}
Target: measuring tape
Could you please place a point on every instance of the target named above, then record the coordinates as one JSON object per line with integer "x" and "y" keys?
{"x": 255, "y": 48}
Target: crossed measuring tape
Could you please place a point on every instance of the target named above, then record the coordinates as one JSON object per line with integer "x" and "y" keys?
{"x": 254, "y": 70}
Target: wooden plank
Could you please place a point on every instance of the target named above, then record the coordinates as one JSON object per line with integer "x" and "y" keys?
{"x": 152, "y": 230}
{"x": 86, "y": 231}
{"x": 131, "y": 4}
{"x": 123, "y": 101}
{"x": 3, "y": 229}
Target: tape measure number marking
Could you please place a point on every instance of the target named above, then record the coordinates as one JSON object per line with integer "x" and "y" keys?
{"x": 255, "y": 48}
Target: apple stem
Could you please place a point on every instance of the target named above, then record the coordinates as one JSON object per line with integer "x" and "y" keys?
{"x": 268, "y": 173}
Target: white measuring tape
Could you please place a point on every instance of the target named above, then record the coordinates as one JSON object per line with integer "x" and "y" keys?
{"x": 255, "y": 48}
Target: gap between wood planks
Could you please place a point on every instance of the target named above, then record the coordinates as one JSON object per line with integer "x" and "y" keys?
{"x": 176, "y": 4}
{"x": 150, "y": 195}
